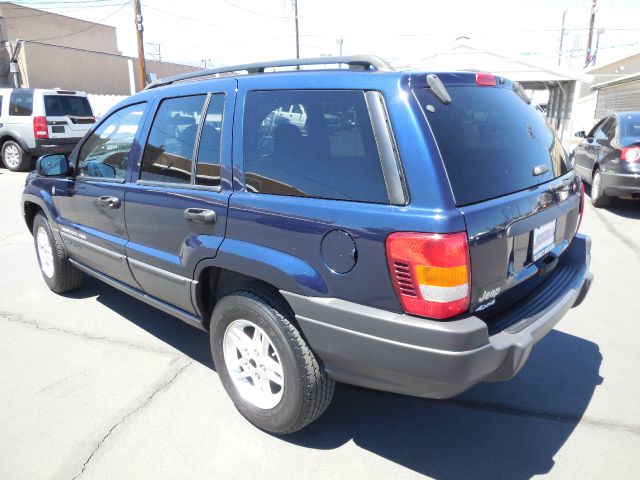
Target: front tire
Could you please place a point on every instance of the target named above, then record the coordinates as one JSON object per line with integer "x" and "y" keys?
{"x": 58, "y": 273}
{"x": 272, "y": 376}
{"x": 598, "y": 197}
{"x": 14, "y": 157}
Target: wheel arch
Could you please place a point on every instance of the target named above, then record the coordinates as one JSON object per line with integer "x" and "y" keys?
{"x": 240, "y": 264}
{"x": 12, "y": 136}
{"x": 32, "y": 204}
{"x": 214, "y": 283}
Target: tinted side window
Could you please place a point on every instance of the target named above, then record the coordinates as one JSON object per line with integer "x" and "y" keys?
{"x": 105, "y": 154}
{"x": 312, "y": 144}
{"x": 21, "y": 103}
{"x": 168, "y": 155}
{"x": 208, "y": 163}
{"x": 595, "y": 129}
{"x": 608, "y": 129}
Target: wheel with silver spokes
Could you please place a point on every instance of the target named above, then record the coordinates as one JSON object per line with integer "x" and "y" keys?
{"x": 14, "y": 157}
{"x": 253, "y": 364}
{"x": 45, "y": 253}
{"x": 272, "y": 376}
{"x": 598, "y": 198}
{"x": 58, "y": 273}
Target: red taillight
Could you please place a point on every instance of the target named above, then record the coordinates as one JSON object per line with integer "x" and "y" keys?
{"x": 430, "y": 272}
{"x": 40, "y": 129}
{"x": 486, "y": 79}
{"x": 581, "y": 205}
{"x": 630, "y": 154}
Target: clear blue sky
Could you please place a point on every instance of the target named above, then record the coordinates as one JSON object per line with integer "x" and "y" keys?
{"x": 237, "y": 31}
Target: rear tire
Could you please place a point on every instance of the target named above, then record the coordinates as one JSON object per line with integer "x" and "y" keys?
{"x": 15, "y": 158}
{"x": 598, "y": 197}
{"x": 281, "y": 387}
{"x": 58, "y": 273}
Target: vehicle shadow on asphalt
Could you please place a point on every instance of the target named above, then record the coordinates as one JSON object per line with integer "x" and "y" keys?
{"x": 621, "y": 207}
{"x": 189, "y": 340}
{"x": 506, "y": 430}
{"x": 509, "y": 430}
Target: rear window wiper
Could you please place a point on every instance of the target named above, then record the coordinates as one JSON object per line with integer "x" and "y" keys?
{"x": 438, "y": 89}
{"x": 519, "y": 89}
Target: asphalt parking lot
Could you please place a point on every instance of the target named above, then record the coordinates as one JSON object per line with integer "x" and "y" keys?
{"x": 98, "y": 385}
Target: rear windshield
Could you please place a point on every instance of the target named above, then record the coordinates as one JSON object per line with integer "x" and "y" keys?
{"x": 490, "y": 141}
{"x": 67, "y": 105}
{"x": 630, "y": 127}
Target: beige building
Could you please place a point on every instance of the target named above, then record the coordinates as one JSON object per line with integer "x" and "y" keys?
{"x": 46, "y": 50}
{"x": 613, "y": 87}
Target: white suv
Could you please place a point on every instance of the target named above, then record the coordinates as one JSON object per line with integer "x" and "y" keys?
{"x": 35, "y": 122}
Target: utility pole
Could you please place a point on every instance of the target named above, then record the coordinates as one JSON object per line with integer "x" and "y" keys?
{"x": 204, "y": 61}
{"x": 564, "y": 15}
{"x": 295, "y": 11}
{"x": 340, "y": 41}
{"x": 587, "y": 57}
{"x": 142, "y": 68}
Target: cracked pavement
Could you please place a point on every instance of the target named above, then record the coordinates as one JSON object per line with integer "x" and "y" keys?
{"x": 96, "y": 385}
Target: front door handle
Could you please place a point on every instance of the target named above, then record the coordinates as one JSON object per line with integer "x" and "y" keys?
{"x": 109, "y": 202}
{"x": 200, "y": 215}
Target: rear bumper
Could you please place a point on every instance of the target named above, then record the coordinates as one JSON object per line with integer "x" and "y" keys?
{"x": 400, "y": 353}
{"x": 54, "y": 145}
{"x": 620, "y": 184}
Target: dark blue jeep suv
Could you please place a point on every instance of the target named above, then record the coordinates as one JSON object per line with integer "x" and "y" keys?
{"x": 412, "y": 232}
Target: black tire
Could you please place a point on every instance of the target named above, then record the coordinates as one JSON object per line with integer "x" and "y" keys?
{"x": 65, "y": 277}
{"x": 21, "y": 163}
{"x": 307, "y": 390}
{"x": 598, "y": 198}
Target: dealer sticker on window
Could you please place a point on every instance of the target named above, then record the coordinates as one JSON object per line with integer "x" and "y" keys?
{"x": 543, "y": 239}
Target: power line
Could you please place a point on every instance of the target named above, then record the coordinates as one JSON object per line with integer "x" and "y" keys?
{"x": 240, "y": 7}
{"x": 66, "y": 12}
{"x": 93, "y": 25}
{"x": 189, "y": 18}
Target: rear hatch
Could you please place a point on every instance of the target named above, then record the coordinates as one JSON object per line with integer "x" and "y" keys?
{"x": 69, "y": 115}
{"x": 510, "y": 179}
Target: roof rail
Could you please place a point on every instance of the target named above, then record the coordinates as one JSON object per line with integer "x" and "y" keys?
{"x": 355, "y": 62}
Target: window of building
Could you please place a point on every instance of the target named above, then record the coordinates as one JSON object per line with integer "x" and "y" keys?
{"x": 312, "y": 143}
{"x": 168, "y": 155}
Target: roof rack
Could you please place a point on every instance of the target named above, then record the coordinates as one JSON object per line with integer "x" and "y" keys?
{"x": 355, "y": 62}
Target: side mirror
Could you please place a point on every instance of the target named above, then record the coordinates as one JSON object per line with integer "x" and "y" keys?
{"x": 53, "y": 165}
{"x": 581, "y": 134}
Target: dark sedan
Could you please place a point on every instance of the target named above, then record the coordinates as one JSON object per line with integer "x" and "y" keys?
{"x": 609, "y": 157}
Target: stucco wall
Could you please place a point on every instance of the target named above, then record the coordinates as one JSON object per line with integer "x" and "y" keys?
{"x": 50, "y": 67}
{"x": 31, "y": 24}
{"x": 162, "y": 69}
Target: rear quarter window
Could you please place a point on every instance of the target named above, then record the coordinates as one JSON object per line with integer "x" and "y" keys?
{"x": 312, "y": 143}
{"x": 490, "y": 141}
{"x": 21, "y": 103}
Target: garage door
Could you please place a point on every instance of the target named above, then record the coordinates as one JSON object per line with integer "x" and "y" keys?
{"x": 618, "y": 98}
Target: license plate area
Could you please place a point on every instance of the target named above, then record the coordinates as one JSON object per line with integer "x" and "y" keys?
{"x": 543, "y": 240}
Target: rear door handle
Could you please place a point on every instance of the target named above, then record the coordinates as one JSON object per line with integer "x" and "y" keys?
{"x": 200, "y": 215}
{"x": 109, "y": 202}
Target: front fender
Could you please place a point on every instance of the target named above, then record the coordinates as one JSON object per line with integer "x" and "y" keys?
{"x": 44, "y": 200}
{"x": 283, "y": 271}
